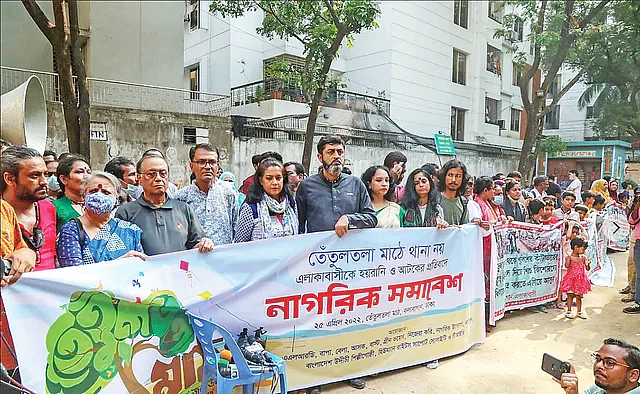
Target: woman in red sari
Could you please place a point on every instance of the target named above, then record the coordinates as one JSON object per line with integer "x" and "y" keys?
{"x": 493, "y": 213}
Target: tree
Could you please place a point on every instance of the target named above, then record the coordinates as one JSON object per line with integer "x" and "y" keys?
{"x": 557, "y": 28}
{"x": 613, "y": 76}
{"x": 97, "y": 337}
{"x": 64, "y": 37}
{"x": 320, "y": 26}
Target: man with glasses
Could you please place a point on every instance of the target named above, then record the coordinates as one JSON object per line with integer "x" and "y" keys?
{"x": 616, "y": 369}
{"x": 214, "y": 202}
{"x": 168, "y": 225}
{"x": 24, "y": 187}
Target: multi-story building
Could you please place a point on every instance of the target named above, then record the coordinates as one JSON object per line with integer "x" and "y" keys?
{"x": 437, "y": 62}
{"x": 135, "y": 41}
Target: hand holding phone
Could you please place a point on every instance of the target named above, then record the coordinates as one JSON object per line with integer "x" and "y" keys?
{"x": 554, "y": 367}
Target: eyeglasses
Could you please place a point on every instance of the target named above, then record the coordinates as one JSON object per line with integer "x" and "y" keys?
{"x": 153, "y": 174}
{"x": 607, "y": 362}
{"x": 421, "y": 181}
{"x": 204, "y": 163}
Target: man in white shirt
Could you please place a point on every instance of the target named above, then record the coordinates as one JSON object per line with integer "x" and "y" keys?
{"x": 540, "y": 185}
{"x": 575, "y": 186}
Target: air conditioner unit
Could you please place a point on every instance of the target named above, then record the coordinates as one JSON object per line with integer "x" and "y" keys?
{"x": 501, "y": 124}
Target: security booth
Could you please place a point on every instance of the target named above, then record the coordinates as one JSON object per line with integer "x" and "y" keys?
{"x": 592, "y": 159}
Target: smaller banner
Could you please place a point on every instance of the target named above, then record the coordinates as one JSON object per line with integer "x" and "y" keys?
{"x": 525, "y": 267}
{"x": 619, "y": 228}
{"x": 601, "y": 272}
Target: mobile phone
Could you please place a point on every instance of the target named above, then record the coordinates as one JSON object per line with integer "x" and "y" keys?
{"x": 554, "y": 367}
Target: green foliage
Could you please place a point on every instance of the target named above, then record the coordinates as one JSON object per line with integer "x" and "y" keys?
{"x": 315, "y": 24}
{"x": 610, "y": 56}
{"x": 553, "y": 145}
{"x": 88, "y": 342}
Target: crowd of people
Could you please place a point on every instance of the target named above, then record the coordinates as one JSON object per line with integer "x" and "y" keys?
{"x": 57, "y": 211}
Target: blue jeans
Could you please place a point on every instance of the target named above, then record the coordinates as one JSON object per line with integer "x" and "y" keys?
{"x": 636, "y": 263}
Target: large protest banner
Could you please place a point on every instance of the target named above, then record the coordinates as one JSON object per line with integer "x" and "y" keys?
{"x": 372, "y": 301}
{"x": 525, "y": 267}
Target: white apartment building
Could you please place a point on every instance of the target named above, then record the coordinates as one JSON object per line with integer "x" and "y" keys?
{"x": 566, "y": 120}
{"x": 436, "y": 61}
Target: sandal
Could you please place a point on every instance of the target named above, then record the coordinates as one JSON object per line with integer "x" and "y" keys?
{"x": 628, "y": 298}
{"x": 582, "y": 315}
{"x": 625, "y": 290}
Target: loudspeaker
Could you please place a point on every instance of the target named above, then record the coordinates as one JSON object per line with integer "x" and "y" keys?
{"x": 24, "y": 115}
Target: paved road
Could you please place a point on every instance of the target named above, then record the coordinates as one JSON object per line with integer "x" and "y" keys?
{"x": 509, "y": 361}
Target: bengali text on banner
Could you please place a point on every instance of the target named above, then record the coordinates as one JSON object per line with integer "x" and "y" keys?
{"x": 372, "y": 301}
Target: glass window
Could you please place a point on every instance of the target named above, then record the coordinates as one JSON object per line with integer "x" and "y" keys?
{"x": 494, "y": 57}
{"x": 515, "y": 119}
{"x": 457, "y": 123}
{"x": 518, "y": 30}
{"x": 194, "y": 14}
{"x": 461, "y": 13}
{"x": 552, "y": 119}
{"x": 459, "y": 67}
{"x": 515, "y": 78}
{"x": 496, "y": 10}
{"x": 491, "y": 110}
{"x": 590, "y": 113}
{"x": 194, "y": 82}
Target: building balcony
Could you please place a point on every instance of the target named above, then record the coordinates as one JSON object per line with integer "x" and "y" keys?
{"x": 256, "y": 93}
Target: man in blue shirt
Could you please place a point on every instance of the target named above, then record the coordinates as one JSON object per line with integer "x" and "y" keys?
{"x": 332, "y": 200}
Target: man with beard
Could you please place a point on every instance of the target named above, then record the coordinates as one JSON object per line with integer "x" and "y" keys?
{"x": 616, "y": 369}
{"x": 452, "y": 182}
{"x": 24, "y": 187}
{"x": 332, "y": 200}
{"x": 214, "y": 202}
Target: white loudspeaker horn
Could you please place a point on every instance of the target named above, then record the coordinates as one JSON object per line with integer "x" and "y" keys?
{"x": 24, "y": 115}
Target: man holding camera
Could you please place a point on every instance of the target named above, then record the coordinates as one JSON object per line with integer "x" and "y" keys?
{"x": 634, "y": 221}
{"x": 616, "y": 370}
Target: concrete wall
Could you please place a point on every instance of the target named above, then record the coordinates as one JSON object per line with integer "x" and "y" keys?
{"x": 131, "y": 132}
{"x": 23, "y": 45}
{"x": 359, "y": 158}
{"x": 134, "y": 41}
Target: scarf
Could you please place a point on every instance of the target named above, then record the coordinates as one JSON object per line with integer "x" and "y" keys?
{"x": 289, "y": 217}
{"x": 413, "y": 217}
{"x": 598, "y": 187}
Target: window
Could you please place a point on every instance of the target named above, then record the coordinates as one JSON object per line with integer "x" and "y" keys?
{"x": 195, "y": 135}
{"x": 516, "y": 74}
{"x": 515, "y": 119}
{"x": 461, "y": 12}
{"x": 491, "y": 110}
{"x": 194, "y": 15}
{"x": 552, "y": 119}
{"x": 457, "y": 124}
{"x": 459, "y": 67}
{"x": 590, "y": 112}
{"x": 493, "y": 60}
{"x": 555, "y": 88}
{"x": 518, "y": 30}
{"x": 496, "y": 10}
{"x": 194, "y": 82}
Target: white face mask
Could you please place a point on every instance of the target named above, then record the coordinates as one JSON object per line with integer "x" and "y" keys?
{"x": 498, "y": 199}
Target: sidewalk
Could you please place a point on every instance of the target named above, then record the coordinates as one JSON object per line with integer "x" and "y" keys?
{"x": 509, "y": 361}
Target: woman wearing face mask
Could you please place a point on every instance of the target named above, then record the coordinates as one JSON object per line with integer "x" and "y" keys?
{"x": 96, "y": 236}
{"x": 513, "y": 208}
{"x": 270, "y": 209}
{"x": 229, "y": 177}
{"x": 421, "y": 202}
{"x": 377, "y": 179}
{"x": 72, "y": 171}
